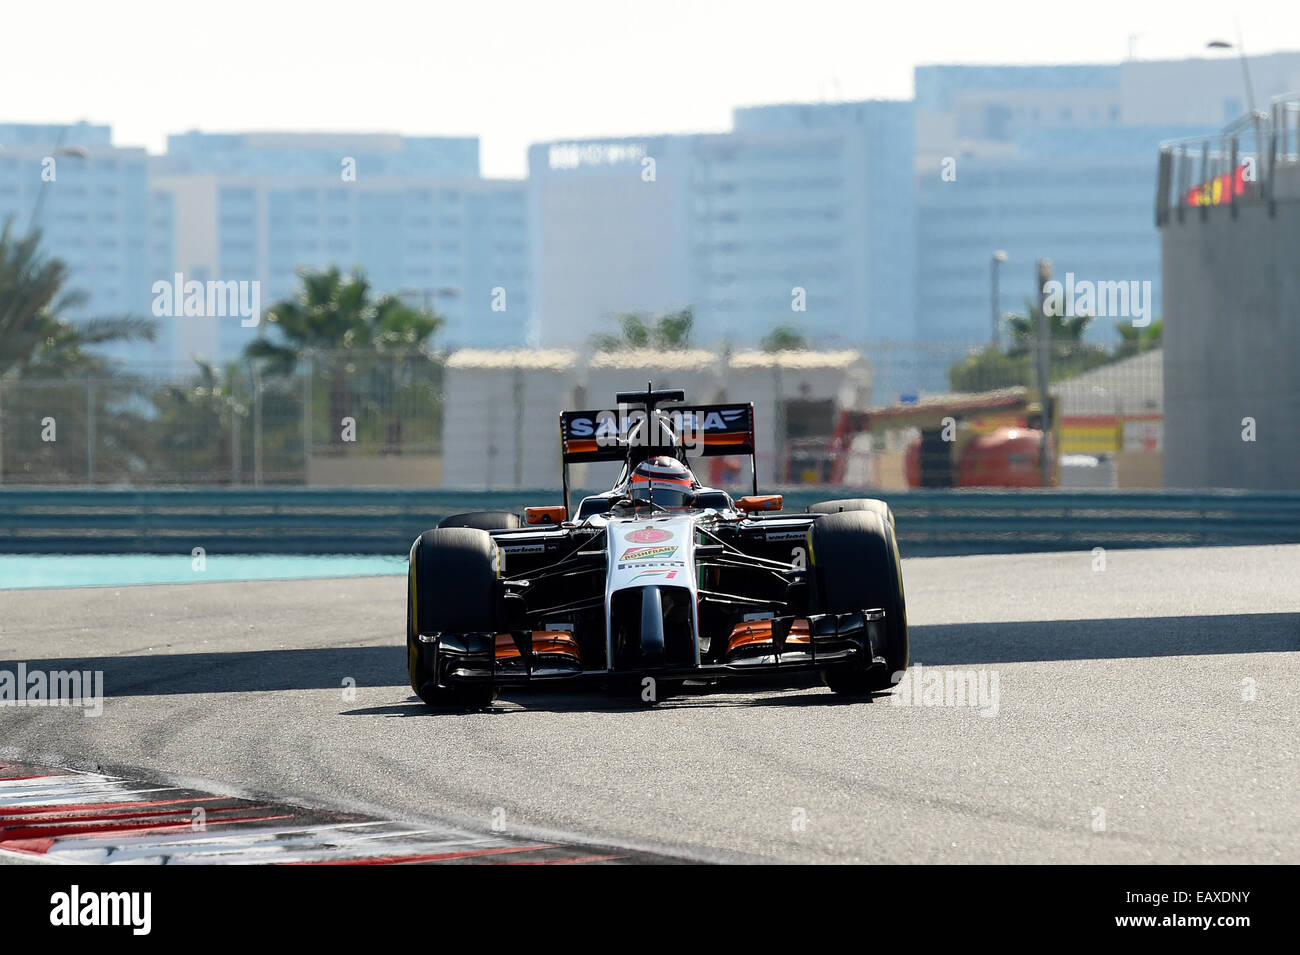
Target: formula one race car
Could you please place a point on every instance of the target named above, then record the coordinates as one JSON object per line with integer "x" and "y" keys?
{"x": 659, "y": 580}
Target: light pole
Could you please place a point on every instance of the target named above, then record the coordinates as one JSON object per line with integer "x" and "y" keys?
{"x": 1250, "y": 92}
{"x": 998, "y": 258}
{"x": 78, "y": 152}
{"x": 1044, "y": 368}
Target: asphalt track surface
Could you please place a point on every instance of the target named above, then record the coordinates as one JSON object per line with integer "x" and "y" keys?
{"x": 1146, "y": 712}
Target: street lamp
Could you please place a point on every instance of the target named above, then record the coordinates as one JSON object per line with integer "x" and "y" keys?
{"x": 1044, "y": 369}
{"x": 998, "y": 258}
{"x": 77, "y": 152}
{"x": 1250, "y": 90}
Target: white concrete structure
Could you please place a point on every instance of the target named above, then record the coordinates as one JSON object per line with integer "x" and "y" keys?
{"x": 501, "y": 417}
{"x": 770, "y": 380}
{"x": 1131, "y": 386}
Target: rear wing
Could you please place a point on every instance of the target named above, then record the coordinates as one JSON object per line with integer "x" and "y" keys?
{"x": 707, "y": 430}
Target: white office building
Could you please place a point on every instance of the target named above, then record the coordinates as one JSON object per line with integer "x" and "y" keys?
{"x": 91, "y": 200}
{"x": 412, "y": 213}
{"x": 1055, "y": 162}
{"x": 801, "y": 216}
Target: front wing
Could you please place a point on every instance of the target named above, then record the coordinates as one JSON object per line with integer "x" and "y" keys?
{"x": 778, "y": 645}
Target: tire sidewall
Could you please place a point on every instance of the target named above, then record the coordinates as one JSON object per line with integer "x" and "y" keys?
{"x": 856, "y": 566}
{"x": 453, "y": 585}
{"x": 483, "y": 520}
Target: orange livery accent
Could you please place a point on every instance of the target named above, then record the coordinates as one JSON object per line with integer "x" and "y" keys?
{"x": 761, "y": 502}
{"x": 554, "y": 642}
{"x": 753, "y": 632}
{"x": 550, "y": 514}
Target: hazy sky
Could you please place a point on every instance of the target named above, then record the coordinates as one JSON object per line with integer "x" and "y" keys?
{"x": 519, "y": 72}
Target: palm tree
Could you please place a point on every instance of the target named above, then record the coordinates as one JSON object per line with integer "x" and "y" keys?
{"x": 34, "y": 340}
{"x": 62, "y": 376}
{"x": 671, "y": 331}
{"x": 1064, "y": 331}
{"x": 1134, "y": 340}
{"x": 337, "y": 312}
{"x": 784, "y": 338}
{"x": 195, "y": 423}
{"x": 992, "y": 368}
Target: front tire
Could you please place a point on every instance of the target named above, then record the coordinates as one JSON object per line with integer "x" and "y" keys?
{"x": 856, "y": 567}
{"x": 453, "y": 585}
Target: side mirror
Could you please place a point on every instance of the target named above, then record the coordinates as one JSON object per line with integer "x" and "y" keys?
{"x": 761, "y": 502}
{"x": 551, "y": 514}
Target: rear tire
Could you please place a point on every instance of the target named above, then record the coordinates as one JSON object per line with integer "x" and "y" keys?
{"x": 453, "y": 585}
{"x": 869, "y": 504}
{"x": 483, "y": 520}
{"x": 856, "y": 567}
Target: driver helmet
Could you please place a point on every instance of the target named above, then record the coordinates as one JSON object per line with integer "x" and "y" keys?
{"x": 663, "y": 480}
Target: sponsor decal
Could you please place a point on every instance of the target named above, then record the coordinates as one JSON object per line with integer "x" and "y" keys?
{"x": 623, "y": 428}
{"x": 613, "y": 424}
{"x": 786, "y": 535}
{"x": 590, "y": 432}
{"x": 648, "y": 553}
{"x": 648, "y": 535}
{"x": 652, "y": 563}
{"x": 665, "y": 574}
{"x": 525, "y": 549}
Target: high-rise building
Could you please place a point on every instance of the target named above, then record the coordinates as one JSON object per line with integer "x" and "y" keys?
{"x": 610, "y": 222}
{"x": 858, "y": 223}
{"x": 811, "y": 201}
{"x": 411, "y": 212}
{"x": 1055, "y": 162}
{"x": 91, "y": 202}
{"x": 802, "y": 216}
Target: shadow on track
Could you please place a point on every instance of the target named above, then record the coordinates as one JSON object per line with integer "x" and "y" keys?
{"x": 514, "y": 701}
{"x": 1024, "y": 642}
{"x": 327, "y": 668}
{"x": 244, "y": 671}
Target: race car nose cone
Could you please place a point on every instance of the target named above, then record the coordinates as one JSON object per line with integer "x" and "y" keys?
{"x": 652, "y": 625}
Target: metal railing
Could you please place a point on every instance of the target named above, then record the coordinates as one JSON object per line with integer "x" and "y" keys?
{"x": 1232, "y": 166}
{"x": 369, "y": 521}
{"x": 354, "y": 419}
{"x": 1286, "y": 125}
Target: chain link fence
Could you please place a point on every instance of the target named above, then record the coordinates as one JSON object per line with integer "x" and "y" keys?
{"x": 228, "y": 425}
{"x": 361, "y": 418}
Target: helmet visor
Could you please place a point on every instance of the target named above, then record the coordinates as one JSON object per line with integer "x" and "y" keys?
{"x": 664, "y": 493}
